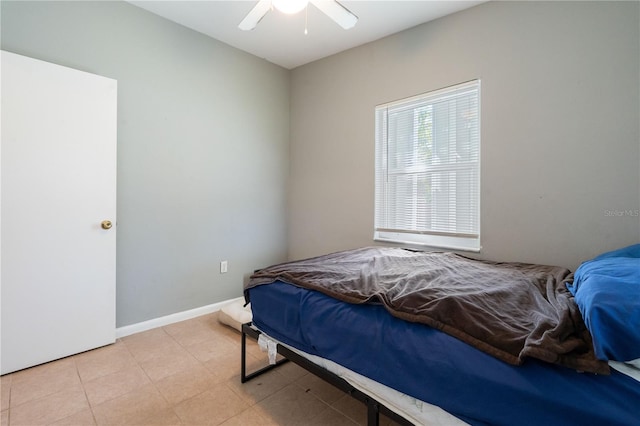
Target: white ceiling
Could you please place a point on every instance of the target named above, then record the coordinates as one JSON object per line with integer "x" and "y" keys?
{"x": 280, "y": 38}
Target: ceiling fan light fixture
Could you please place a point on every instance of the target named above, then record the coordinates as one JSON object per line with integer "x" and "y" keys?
{"x": 290, "y": 7}
{"x": 334, "y": 10}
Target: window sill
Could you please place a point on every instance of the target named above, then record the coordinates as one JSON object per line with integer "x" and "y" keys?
{"x": 437, "y": 241}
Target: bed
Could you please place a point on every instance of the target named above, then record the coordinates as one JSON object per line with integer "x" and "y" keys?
{"x": 429, "y": 336}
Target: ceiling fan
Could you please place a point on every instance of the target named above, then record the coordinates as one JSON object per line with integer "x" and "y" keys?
{"x": 334, "y": 10}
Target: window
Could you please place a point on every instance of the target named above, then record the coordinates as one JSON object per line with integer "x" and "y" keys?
{"x": 428, "y": 169}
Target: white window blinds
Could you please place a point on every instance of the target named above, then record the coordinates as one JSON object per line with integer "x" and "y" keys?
{"x": 428, "y": 169}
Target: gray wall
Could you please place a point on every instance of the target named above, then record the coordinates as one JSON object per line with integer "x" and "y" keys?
{"x": 203, "y": 140}
{"x": 560, "y": 127}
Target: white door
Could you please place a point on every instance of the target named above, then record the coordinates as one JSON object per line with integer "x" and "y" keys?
{"x": 58, "y": 183}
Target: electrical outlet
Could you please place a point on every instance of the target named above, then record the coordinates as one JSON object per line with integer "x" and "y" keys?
{"x": 223, "y": 267}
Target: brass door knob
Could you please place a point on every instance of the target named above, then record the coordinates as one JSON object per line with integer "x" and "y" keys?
{"x": 106, "y": 224}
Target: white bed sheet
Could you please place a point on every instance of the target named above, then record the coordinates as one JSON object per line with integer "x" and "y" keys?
{"x": 626, "y": 368}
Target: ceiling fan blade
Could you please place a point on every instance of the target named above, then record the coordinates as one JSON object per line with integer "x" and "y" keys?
{"x": 255, "y": 15}
{"x": 337, "y": 12}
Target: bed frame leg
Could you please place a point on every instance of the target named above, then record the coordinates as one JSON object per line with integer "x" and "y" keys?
{"x": 244, "y": 377}
{"x": 373, "y": 413}
{"x": 243, "y": 358}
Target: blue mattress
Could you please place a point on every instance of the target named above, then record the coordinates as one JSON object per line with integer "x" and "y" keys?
{"x": 434, "y": 367}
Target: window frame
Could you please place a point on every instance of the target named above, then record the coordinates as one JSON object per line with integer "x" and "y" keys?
{"x": 466, "y": 241}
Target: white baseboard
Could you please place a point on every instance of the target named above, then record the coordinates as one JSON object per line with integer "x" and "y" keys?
{"x": 170, "y": 319}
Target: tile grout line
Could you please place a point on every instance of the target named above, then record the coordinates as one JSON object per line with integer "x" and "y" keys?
{"x": 153, "y": 382}
{"x": 171, "y": 406}
{"x": 223, "y": 383}
{"x": 84, "y": 390}
{"x": 9, "y": 407}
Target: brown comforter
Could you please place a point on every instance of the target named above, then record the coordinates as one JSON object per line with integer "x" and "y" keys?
{"x": 509, "y": 310}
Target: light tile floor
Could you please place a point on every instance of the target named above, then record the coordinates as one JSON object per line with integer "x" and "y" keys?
{"x": 186, "y": 373}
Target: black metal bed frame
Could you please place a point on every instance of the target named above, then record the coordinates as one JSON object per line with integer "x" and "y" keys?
{"x": 374, "y": 407}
